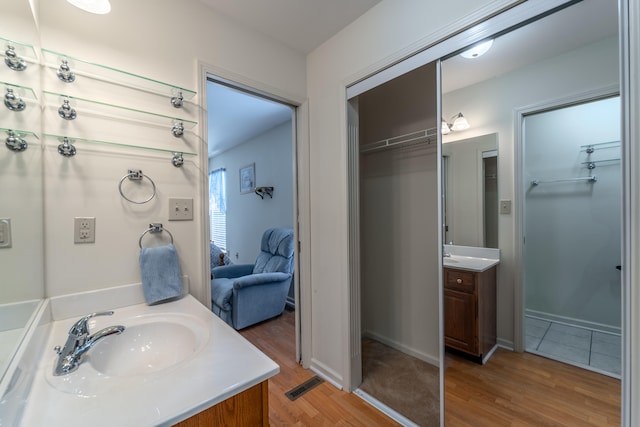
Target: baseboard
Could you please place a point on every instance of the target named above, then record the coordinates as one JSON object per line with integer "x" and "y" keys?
{"x": 326, "y": 374}
{"x": 573, "y": 322}
{"x": 506, "y": 344}
{"x": 432, "y": 360}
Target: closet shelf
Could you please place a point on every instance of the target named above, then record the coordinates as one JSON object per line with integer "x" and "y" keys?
{"x": 116, "y": 111}
{"x": 61, "y": 138}
{"x": 22, "y": 50}
{"x": 23, "y": 92}
{"x": 108, "y": 74}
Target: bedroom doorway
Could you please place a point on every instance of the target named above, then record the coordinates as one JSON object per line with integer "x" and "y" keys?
{"x": 251, "y": 129}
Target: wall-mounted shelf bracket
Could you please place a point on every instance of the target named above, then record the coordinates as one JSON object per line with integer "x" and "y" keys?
{"x": 264, "y": 191}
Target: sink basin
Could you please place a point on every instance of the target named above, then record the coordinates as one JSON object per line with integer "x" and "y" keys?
{"x": 151, "y": 345}
{"x": 147, "y": 345}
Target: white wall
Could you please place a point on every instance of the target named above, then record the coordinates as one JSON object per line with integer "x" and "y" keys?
{"x": 572, "y": 230}
{"x": 400, "y": 250}
{"x": 21, "y": 172}
{"x": 584, "y": 69}
{"x": 388, "y": 32}
{"x": 248, "y": 215}
{"x": 163, "y": 40}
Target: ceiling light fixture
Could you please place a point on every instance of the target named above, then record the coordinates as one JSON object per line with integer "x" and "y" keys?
{"x": 476, "y": 51}
{"x": 459, "y": 123}
{"x": 99, "y": 7}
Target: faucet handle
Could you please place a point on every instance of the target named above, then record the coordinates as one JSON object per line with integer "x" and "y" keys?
{"x": 81, "y": 328}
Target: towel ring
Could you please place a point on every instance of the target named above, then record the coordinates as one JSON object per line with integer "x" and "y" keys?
{"x": 136, "y": 176}
{"x": 154, "y": 228}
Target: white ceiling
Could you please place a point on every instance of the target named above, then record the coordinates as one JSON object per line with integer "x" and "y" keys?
{"x": 235, "y": 117}
{"x": 300, "y": 24}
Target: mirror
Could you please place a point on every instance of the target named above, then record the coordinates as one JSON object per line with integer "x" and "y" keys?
{"x": 470, "y": 171}
{"x": 21, "y": 202}
{"x": 564, "y": 58}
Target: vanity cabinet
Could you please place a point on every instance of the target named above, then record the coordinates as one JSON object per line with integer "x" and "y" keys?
{"x": 470, "y": 311}
{"x": 249, "y": 408}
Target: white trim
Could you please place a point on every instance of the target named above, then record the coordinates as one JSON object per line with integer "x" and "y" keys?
{"x": 326, "y": 373}
{"x": 442, "y": 45}
{"x": 301, "y": 185}
{"x": 396, "y": 416}
{"x": 629, "y": 17}
{"x": 570, "y": 321}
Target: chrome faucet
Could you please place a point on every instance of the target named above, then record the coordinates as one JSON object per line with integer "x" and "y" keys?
{"x": 79, "y": 342}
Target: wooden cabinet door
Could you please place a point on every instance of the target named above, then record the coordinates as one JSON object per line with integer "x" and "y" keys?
{"x": 460, "y": 321}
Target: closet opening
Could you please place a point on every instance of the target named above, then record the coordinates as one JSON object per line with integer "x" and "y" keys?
{"x": 398, "y": 180}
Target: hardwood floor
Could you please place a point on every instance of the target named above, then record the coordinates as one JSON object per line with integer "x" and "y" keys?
{"x": 512, "y": 389}
{"x": 322, "y": 406}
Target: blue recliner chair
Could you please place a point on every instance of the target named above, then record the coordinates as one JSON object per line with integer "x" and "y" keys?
{"x": 245, "y": 294}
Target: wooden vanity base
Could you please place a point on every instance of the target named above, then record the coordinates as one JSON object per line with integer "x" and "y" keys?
{"x": 249, "y": 408}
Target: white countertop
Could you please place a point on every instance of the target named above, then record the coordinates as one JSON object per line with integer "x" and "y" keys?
{"x": 225, "y": 366}
{"x": 470, "y": 258}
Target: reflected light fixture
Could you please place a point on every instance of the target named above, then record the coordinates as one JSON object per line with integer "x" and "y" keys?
{"x": 459, "y": 123}
{"x": 99, "y": 7}
{"x": 476, "y": 51}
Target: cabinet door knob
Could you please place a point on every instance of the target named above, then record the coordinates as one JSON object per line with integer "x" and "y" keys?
{"x": 459, "y": 281}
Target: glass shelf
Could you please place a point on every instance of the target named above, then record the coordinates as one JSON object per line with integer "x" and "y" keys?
{"x": 592, "y": 164}
{"x": 20, "y": 133}
{"x": 23, "y": 92}
{"x": 132, "y": 114}
{"x": 600, "y": 146}
{"x": 81, "y": 67}
{"x": 72, "y": 139}
{"x": 23, "y": 50}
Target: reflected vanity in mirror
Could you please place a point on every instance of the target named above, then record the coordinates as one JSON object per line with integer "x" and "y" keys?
{"x": 470, "y": 171}
{"x": 21, "y": 202}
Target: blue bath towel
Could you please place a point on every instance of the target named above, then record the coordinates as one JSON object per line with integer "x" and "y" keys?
{"x": 160, "y": 271}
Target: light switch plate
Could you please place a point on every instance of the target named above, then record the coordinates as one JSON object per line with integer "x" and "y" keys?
{"x": 5, "y": 232}
{"x": 180, "y": 209}
{"x": 505, "y": 207}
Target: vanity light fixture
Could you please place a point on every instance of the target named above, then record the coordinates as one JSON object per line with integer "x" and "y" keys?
{"x": 99, "y": 7}
{"x": 459, "y": 123}
{"x": 477, "y": 50}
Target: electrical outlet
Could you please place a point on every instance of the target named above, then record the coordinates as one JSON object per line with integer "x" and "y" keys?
{"x": 84, "y": 230}
{"x": 180, "y": 209}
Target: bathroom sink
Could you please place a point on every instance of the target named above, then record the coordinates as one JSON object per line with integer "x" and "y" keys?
{"x": 149, "y": 344}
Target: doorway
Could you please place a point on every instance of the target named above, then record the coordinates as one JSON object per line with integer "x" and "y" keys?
{"x": 254, "y": 133}
{"x": 572, "y": 234}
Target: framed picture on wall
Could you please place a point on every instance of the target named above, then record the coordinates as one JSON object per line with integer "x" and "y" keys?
{"x": 248, "y": 178}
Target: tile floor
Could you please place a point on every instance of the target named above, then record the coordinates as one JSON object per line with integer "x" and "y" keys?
{"x": 594, "y": 350}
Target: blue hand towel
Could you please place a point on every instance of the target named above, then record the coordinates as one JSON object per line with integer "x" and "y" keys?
{"x": 160, "y": 271}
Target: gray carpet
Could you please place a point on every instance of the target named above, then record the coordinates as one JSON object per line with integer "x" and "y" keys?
{"x": 407, "y": 385}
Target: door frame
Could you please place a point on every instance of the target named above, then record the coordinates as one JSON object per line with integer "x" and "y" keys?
{"x": 301, "y": 196}
{"x": 519, "y": 197}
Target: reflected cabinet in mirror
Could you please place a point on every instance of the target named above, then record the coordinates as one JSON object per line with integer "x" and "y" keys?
{"x": 21, "y": 201}
{"x": 567, "y": 58}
